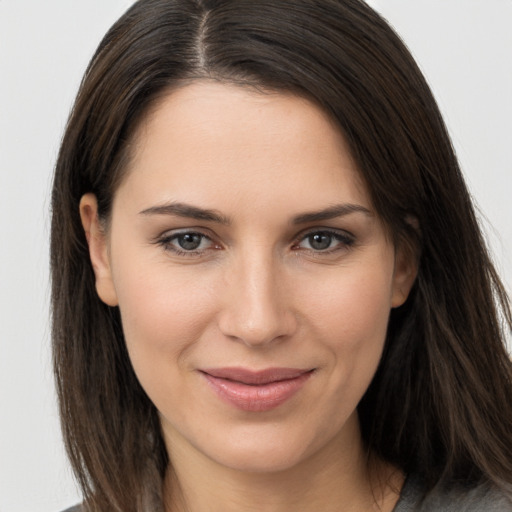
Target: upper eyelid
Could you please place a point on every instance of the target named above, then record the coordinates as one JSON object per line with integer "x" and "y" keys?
{"x": 311, "y": 231}
{"x": 207, "y": 232}
{"x": 170, "y": 233}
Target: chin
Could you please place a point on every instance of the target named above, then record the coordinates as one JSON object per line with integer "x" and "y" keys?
{"x": 267, "y": 448}
{"x": 260, "y": 459}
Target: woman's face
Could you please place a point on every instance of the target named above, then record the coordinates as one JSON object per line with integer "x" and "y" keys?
{"x": 253, "y": 277}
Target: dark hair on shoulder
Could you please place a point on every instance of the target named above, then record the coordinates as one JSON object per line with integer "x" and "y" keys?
{"x": 440, "y": 404}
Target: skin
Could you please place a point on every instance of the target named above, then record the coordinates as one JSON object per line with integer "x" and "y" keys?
{"x": 257, "y": 292}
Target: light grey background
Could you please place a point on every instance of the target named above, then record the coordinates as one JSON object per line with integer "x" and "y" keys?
{"x": 463, "y": 46}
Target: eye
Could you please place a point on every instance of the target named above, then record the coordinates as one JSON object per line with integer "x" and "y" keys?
{"x": 325, "y": 241}
{"x": 186, "y": 243}
{"x": 189, "y": 241}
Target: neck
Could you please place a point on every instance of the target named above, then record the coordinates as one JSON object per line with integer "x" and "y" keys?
{"x": 336, "y": 477}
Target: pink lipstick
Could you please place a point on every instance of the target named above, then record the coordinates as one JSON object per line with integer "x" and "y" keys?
{"x": 256, "y": 391}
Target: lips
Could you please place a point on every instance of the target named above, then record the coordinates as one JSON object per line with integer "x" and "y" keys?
{"x": 256, "y": 391}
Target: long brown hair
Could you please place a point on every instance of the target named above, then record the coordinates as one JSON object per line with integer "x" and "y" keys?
{"x": 440, "y": 403}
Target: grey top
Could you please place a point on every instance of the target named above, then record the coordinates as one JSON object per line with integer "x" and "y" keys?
{"x": 483, "y": 498}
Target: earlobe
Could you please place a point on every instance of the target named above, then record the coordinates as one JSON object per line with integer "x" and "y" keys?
{"x": 405, "y": 272}
{"x": 98, "y": 249}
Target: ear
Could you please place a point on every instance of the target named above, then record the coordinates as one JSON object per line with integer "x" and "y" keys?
{"x": 404, "y": 275}
{"x": 98, "y": 249}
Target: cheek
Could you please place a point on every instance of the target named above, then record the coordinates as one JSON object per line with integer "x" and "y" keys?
{"x": 350, "y": 317}
{"x": 354, "y": 305}
{"x": 164, "y": 313}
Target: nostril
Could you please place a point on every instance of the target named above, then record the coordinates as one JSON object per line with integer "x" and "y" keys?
{"x": 253, "y": 330}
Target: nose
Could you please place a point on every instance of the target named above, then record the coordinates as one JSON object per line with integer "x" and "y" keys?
{"x": 256, "y": 306}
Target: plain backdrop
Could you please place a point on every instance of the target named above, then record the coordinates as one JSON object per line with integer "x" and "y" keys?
{"x": 463, "y": 46}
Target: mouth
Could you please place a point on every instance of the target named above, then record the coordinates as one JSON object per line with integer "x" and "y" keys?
{"x": 256, "y": 391}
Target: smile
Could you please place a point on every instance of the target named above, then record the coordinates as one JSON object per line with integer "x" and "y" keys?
{"x": 256, "y": 391}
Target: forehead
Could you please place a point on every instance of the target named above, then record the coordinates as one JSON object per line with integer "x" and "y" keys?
{"x": 208, "y": 140}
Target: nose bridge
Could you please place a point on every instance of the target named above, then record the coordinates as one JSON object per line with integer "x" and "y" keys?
{"x": 256, "y": 310}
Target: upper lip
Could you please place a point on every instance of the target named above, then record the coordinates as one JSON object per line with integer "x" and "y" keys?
{"x": 256, "y": 377}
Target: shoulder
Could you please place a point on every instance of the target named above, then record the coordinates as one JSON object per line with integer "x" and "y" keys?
{"x": 76, "y": 508}
{"x": 456, "y": 498}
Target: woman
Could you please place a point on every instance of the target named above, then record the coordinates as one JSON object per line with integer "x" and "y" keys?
{"x": 281, "y": 297}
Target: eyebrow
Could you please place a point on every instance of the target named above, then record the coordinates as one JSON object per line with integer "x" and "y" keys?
{"x": 331, "y": 212}
{"x": 187, "y": 210}
{"x": 194, "y": 212}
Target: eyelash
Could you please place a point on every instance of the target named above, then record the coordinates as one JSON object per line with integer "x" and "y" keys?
{"x": 166, "y": 242}
{"x": 345, "y": 240}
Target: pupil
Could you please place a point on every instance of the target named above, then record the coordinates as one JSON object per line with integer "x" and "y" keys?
{"x": 190, "y": 241}
{"x": 320, "y": 241}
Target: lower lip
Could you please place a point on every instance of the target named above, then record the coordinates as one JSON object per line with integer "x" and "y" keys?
{"x": 256, "y": 398}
